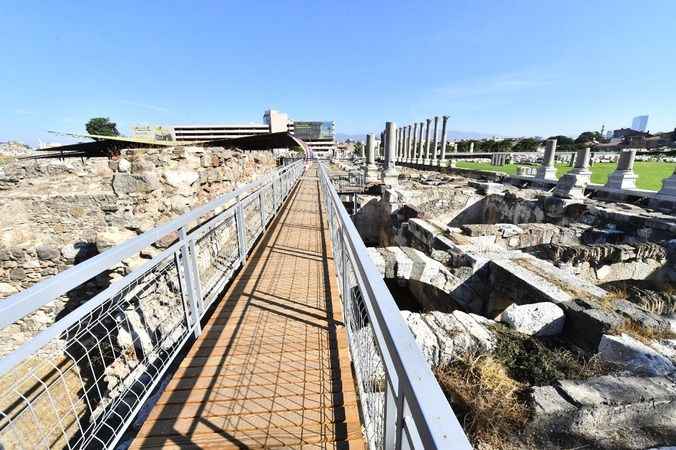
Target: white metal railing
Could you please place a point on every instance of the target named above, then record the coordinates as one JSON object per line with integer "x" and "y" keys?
{"x": 78, "y": 382}
{"x": 402, "y": 404}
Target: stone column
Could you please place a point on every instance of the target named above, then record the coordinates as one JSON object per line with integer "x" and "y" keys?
{"x": 624, "y": 176}
{"x": 414, "y": 143}
{"x": 666, "y": 197}
{"x": 435, "y": 157}
{"x": 573, "y": 183}
{"x": 471, "y": 147}
{"x": 371, "y": 172}
{"x": 444, "y": 121}
{"x": 407, "y": 156}
{"x": 419, "y": 158}
{"x": 547, "y": 171}
{"x": 426, "y": 161}
{"x": 390, "y": 173}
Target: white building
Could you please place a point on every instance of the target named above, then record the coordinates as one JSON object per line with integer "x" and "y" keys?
{"x": 319, "y": 135}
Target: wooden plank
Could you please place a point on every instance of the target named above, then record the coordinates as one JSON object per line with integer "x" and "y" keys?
{"x": 271, "y": 368}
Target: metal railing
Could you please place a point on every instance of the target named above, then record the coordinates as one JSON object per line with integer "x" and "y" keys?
{"x": 80, "y": 378}
{"x": 402, "y": 404}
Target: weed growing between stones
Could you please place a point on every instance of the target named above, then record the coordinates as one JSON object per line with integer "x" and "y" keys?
{"x": 539, "y": 361}
{"x": 641, "y": 333}
{"x": 489, "y": 403}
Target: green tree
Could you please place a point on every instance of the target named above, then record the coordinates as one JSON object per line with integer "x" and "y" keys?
{"x": 526, "y": 145}
{"x": 588, "y": 137}
{"x": 102, "y": 126}
{"x": 564, "y": 143}
{"x": 358, "y": 148}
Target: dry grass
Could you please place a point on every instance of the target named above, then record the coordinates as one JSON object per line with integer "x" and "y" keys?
{"x": 487, "y": 401}
{"x": 641, "y": 333}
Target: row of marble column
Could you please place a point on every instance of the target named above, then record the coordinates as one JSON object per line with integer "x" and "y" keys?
{"x": 407, "y": 145}
{"x": 422, "y": 143}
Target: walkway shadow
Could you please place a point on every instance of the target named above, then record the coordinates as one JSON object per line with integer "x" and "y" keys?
{"x": 247, "y": 382}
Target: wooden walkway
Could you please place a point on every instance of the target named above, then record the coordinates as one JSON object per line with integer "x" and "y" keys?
{"x": 271, "y": 368}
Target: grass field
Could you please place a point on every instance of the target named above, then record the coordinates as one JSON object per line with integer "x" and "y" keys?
{"x": 650, "y": 174}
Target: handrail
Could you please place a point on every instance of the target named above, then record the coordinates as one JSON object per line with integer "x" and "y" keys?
{"x": 80, "y": 382}
{"x": 413, "y": 407}
{"x": 32, "y": 298}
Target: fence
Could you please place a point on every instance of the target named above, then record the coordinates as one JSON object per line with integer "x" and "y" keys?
{"x": 402, "y": 403}
{"x": 79, "y": 381}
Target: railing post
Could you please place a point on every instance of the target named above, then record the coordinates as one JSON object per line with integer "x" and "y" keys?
{"x": 191, "y": 282}
{"x": 260, "y": 204}
{"x": 391, "y": 418}
{"x": 241, "y": 230}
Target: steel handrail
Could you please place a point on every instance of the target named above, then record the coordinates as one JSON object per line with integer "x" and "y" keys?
{"x": 421, "y": 412}
{"x": 244, "y": 212}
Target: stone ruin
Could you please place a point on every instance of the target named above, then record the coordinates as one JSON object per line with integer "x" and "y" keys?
{"x": 473, "y": 264}
{"x": 64, "y": 212}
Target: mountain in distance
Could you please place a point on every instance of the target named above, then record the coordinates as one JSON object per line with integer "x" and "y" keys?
{"x": 452, "y": 135}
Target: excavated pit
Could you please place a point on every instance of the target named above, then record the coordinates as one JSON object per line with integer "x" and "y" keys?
{"x": 490, "y": 260}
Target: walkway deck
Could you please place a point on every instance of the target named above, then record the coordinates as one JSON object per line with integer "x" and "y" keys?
{"x": 271, "y": 368}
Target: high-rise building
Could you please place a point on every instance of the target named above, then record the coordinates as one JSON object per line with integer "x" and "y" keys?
{"x": 640, "y": 123}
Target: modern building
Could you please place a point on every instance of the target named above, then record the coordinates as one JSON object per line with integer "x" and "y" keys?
{"x": 319, "y": 135}
{"x": 640, "y": 123}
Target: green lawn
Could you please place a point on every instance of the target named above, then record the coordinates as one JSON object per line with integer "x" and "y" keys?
{"x": 650, "y": 174}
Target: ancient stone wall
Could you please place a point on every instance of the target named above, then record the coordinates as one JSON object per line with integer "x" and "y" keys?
{"x": 65, "y": 212}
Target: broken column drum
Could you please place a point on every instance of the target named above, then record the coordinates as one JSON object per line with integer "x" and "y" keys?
{"x": 624, "y": 176}
{"x": 371, "y": 172}
{"x": 573, "y": 183}
{"x": 547, "y": 171}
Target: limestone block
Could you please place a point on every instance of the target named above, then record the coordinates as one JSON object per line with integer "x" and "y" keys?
{"x": 123, "y": 165}
{"x": 180, "y": 178}
{"x": 634, "y": 355}
{"x": 424, "y": 337}
{"x": 7, "y": 289}
{"x": 535, "y": 319}
{"x": 47, "y": 253}
{"x": 587, "y": 322}
{"x": 111, "y": 237}
{"x": 128, "y": 184}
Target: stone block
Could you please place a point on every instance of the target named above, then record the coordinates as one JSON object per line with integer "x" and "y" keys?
{"x": 535, "y": 319}
{"x": 586, "y": 323}
{"x": 47, "y": 253}
{"x": 634, "y": 355}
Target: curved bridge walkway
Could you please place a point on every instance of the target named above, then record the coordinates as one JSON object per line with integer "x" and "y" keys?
{"x": 271, "y": 367}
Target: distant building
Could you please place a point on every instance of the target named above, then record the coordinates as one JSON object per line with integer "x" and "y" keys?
{"x": 320, "y": 136}
{"x": 625, "y": 133}
{"x": 640, "y": 123}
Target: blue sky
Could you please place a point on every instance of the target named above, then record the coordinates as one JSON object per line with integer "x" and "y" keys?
{"x": 504, "y": 67}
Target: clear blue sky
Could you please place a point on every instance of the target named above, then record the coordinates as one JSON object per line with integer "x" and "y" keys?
{"x": 503, "y": 67}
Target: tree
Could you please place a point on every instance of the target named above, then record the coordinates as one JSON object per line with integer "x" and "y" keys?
{"x": 358, "y": 148}
{"x": 564, "y": 143}
{"x": 526, "y": 145}
{"x": 588, "y": 137}
{"x": 102, "y": 126}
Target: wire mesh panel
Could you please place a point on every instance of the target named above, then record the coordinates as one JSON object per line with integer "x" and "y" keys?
{"x": 402, "y": 404}
{"x": 252, "y": 219}
{"x": 366, "y": 359}
{"x": 268, "y": 203}
{"x": 84, "y": 368}
{"x": 217, "y": 254}
{"x": 82, "y": 385}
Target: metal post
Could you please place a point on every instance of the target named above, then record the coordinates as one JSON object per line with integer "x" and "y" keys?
{"x": 260, "y": 204}
{"x": 191, "y": 289}
{"x": 241, "y": 230}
